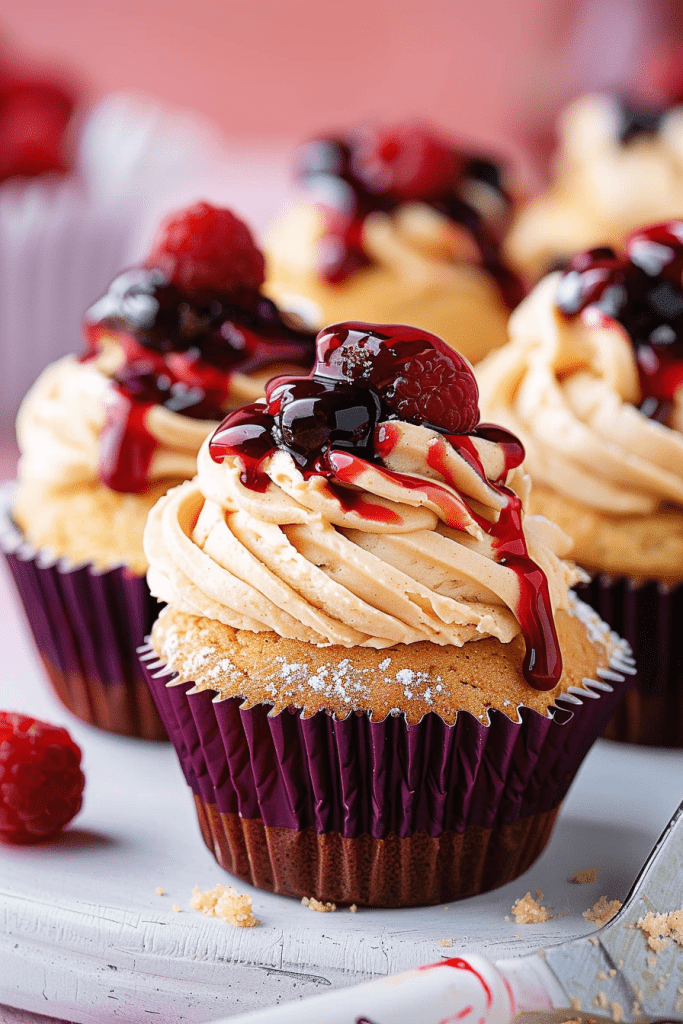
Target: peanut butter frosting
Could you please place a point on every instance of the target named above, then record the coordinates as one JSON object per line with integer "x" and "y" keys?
{"x": 569, "y": 387}
{"x": 422, "y": 271}
{"x": 618, "y": 168}
{"x": 295, "y": 559}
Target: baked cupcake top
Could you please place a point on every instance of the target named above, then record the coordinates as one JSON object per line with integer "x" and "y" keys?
{"x": 401, "y": 220}
{"x": 619, "y": 167}
{"x": 592, "y": 381}
{"x": 172, "y": 346}
{"x": 366, "y": 506}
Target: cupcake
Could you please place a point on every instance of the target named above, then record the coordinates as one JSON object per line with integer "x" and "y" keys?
{"x": 592, "y": 382}
{"x": 369, "y": 650}
{"x": 619, "y": 167}
{"x": 401, "y": 227}
{"x": 172, "y": 346}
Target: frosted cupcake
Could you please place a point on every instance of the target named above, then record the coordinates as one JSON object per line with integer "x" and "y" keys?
{"x": 368, "y": 644}
{"x": 619, "y": 167}
{"x": 401, "y": 227}
{"x": 171, "y": 347}
{"x": 592, "y": 382}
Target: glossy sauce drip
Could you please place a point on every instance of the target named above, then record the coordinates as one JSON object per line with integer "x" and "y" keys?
{"x": 180, "y": 350}
{"x": 643, "y": 292}
{"x": 329, "y": 167}
{"x": 458, "y": 964}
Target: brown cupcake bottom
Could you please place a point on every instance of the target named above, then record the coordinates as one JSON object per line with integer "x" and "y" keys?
{"x": 392, "y": 872}
{"x": 125, "y": 708}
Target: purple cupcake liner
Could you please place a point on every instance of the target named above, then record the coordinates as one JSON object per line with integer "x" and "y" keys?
{"x": 383, "y": 783}
{"x": 650, "y": 617}
{"x": 86, "y": 626}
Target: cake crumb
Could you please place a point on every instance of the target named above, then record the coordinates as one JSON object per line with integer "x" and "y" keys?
{"x": 527, "y": 910}
{"x": 652, "y": 960}
{"x": 602, "y": 911}
{"x": 576, "y": 1003}
{"x": 602, "y": 976}
{"x": 617, "y": 1011}
{"x": 539, "y": 894}
{"x": 662, "y": 929}
{"x": 507, "y": 917}
{"x": 353, "y": 908}
{"x": 322, "y": 908}
{"x": 176, "y": 909}
{"x": 613, "y": 973}
{"x": 226, "y": 903}
{"x": 586, "y": 877}
{"x": 159, "y": 891}
{"x": 600, "y": 1000}
{"x": 445, "y": 942}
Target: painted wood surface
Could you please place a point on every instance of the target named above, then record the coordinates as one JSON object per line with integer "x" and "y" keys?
{"x": 85, "y": 938}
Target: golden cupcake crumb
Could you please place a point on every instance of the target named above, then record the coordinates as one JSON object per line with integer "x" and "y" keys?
{"x": 353, "y": 908}
{"x": 322, "y": 908}
{"x": 662, "y": 929}
{"x": 159, "y": 891}
{"x": 177, "y": 909}
{"x": 527, "y": 910}
{"x": 600, "y": 1000}
{"x": 226, "y": 903}
{"x": 602, "y": 911}
{"x": 576, "y": 1003}
{"x": 586, "y": 877}
{"x": 445, "y": 942}
{"x": 617, "y": 1011}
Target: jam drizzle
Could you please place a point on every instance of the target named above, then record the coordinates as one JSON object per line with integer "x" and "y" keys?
{"x": 180, "y": 350}
{"x": 642, "y": 291}
{"x": 357, "y": 175}
{"x": 302, "y": 417}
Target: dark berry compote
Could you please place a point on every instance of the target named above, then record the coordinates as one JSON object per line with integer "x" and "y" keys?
{"x": 186, "y": 321}
{"x": 378, "y": 169}
{"x": 343, "y": 419}
{"x": 642, "y": 290}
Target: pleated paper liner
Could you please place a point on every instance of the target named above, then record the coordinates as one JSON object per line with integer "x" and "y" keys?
{"x": 86, "y": 626}
{"x": 378, "y": 813}
{"x": 650, "y": 616}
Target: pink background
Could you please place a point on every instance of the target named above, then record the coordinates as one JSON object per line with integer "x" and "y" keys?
{"x": 290, "y": 68}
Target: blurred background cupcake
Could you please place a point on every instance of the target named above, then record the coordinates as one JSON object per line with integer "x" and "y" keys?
{"x": 173, "y": 345}
{"x": 592, "y": 382}
{"x": 353, "y": 586}
{"x": 401, "y": 227}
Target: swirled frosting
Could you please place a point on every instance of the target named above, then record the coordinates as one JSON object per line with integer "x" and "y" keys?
{"x": 402, "y": 544}
{"x": 619, "y": 167}
{"x": 574, "y": 387}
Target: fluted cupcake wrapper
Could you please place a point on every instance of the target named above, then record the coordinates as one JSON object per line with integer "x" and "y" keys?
{"x": 87, "y": 626}
{"x": 650, "y": 616}
{"x": 377, "y": 812}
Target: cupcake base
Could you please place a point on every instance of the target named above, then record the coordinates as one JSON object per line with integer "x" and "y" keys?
{"x": 86, "y": 626}
{"x": 416, "y": 870}
{"x": 649, "y": 615}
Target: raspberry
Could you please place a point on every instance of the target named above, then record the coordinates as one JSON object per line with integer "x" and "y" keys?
{"x": 205, "y": 248}
{"x": 406, "y": 161}
{"x": 418, "y": 376}
{"x": 41, "y": 783}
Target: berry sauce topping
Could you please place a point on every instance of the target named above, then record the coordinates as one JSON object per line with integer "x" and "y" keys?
{"x": 340, "y": 421}
{"x": 378, "y": 170}
{"x": 41, "y": 782}
{"x": 186, "y": 321}
{"x": 642, "y": 290}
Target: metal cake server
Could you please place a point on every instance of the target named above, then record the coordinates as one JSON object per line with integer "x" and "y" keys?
{"x": 609, "y": 972}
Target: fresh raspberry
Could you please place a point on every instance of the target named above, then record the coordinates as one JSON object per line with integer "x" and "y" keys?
{"x": 205, "y": 248}
{"x": 41, "y": 783}
{"x": 405, "y": 161}
{"x": 418, "y": 376}
{"x": 33, "y": 119}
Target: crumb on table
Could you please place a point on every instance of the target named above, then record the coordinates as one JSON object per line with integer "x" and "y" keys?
{"x": 586, "y": 877}
{"x": 527, "y": 910}
{"x": 322, "y": 908}
{"x": 159, "y": 891}
{"x": 226, "y": 903}
{"x": 445, "y": 942}
{"x": 353, "y": 908}
{"x": 662, "y": 929}
{"x": 602, "y": 911}
{"x": 176, "y": 909}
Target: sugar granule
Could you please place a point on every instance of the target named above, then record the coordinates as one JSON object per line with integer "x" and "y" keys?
{"x": 527, "y": 910}
{"x": 662, "y": 929}
{"x": 586, "y": 877}
{"x": 226, "y": 903}
{"x": 602, "y": 911}
{"x": 322, "y": 908}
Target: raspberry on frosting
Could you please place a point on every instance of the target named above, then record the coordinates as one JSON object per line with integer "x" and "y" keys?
{"x": 205, "y": 248}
